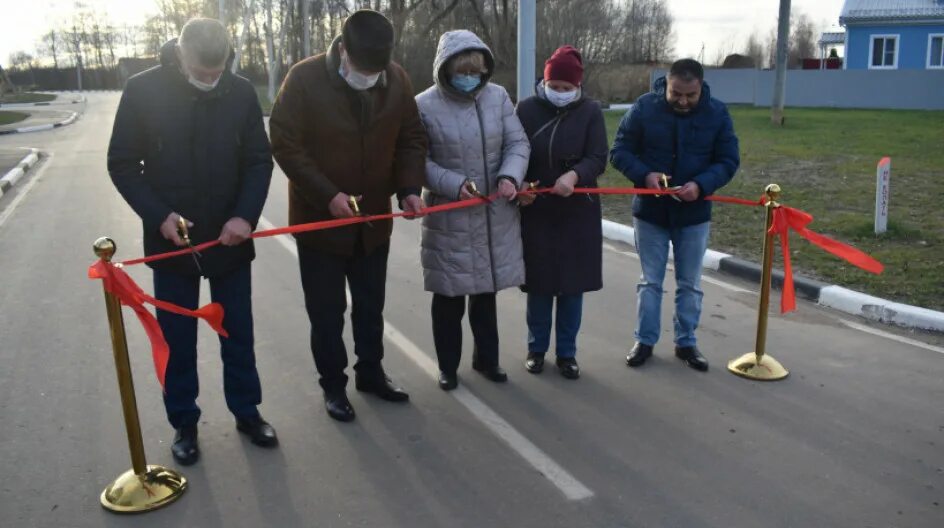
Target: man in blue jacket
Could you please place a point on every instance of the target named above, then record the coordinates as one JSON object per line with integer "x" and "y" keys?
{"x": 676, "y": 135}
{"x": 189, "y": 143}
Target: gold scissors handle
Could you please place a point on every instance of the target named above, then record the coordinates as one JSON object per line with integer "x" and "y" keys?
{"x": 353, "y": 202}
{"x": 473, "y": 189}
{"x": 185, "y": 234}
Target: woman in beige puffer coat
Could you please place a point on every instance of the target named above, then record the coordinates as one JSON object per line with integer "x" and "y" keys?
{"x": 475, "y": 143}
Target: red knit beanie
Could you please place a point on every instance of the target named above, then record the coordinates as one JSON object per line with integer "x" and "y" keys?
{"x": 564, "y": 65}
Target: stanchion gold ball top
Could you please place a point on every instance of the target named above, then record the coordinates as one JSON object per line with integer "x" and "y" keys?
{"x": 773, "y": 192}
{"x": 105, "y": 248}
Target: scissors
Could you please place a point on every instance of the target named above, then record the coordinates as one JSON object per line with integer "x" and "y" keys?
{"x": 473, "y": 190}
{"x": 665, "y": 185}
{"x": 354, "y": 202}
{"x": 185, "y": 234}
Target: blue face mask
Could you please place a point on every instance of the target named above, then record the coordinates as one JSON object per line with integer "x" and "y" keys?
{"x": 465, "y": 83}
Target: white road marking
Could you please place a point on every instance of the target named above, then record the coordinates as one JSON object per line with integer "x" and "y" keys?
{"x": 893, "y": 337}
{"x": 9, "y": 210}
{"x": 572, "y": 488}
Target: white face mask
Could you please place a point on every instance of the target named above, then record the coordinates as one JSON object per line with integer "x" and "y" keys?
{"x": 561, "y": 99}
{"x": 354, "y": 78}
{"x": 202, "y": 86}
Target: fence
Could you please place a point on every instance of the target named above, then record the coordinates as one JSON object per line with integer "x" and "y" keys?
{"x": 892, "y": 89}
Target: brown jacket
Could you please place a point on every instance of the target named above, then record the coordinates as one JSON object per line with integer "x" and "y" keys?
{"x": 329, "y": 138}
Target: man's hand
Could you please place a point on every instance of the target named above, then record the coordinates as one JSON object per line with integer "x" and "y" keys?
{"x": 506, "y": 189}
{"x": 564, "y": 186}
{"x": 654, "y": 180}
{"x": 689, "y": 192}
{"x": 340, "y": 206}
{"x": 169, "y": 229}
{"x": 412, "y": 204}
{"x": 525, "y": 200}
{"x": 235, "y": 232}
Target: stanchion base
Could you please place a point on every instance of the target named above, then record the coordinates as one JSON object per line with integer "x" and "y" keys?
{"x": 767, "y": 369}
{"x": 131, "y": 493}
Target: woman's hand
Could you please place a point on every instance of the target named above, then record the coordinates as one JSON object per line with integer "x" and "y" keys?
{"x": 465, "y": 192}
{"x": 506, "y": 189}
{"x": 525, "y": 199}
{"x": 564, "y": 186}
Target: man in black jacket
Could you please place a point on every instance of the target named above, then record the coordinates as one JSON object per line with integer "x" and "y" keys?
{"x": 189, "y": 145}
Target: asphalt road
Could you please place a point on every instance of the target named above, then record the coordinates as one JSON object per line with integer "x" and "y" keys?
{"x": 853, "y": 437}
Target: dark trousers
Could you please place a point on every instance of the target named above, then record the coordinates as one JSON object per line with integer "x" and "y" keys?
{"x": 240, "y": 378}
{"x": 324, "y": 277}
{"x": 447, "y": 315}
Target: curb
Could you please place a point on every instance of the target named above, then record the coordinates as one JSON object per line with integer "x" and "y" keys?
{"x": 828, "y": 295}
{"x": 14, "y": 175}
{"x": 39, "y": 128}
{"x": 54, "y": 102}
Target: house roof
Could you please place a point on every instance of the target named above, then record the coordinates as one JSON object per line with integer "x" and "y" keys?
{"x": 832, "y": 37}
{"x": 857, "y": 11}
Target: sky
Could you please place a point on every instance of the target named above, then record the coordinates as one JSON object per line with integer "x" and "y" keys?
{"x": 716, "y": 24}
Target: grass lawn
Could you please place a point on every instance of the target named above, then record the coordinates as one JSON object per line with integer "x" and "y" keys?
{"x": 27, "y": 97}
{"x": 7, "y": 118}
{"x": 825, "y": 161}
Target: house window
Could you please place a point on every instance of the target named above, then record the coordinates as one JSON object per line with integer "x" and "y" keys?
{"x": 936, "y": 51}
{"x": 884, "y": 52}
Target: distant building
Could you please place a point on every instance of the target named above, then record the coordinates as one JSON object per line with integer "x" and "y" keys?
{"x": 893, "y": 34}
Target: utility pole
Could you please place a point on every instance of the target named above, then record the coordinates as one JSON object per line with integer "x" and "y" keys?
{"x": 527, "y": 44}
{"x": 783, "y": 36}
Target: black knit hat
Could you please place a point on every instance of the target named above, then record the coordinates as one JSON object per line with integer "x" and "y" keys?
{"x": 368, "y": 39}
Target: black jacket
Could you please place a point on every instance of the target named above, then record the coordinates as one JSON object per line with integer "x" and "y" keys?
{"x": 562, "y": 237}
{"x": 204, "y": 155}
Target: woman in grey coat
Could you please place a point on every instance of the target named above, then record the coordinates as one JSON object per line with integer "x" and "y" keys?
{"x": 476, "y": 144}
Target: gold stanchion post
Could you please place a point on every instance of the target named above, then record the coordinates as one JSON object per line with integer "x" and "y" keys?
{"x": 144, "y": 487}
{"x": 758, "y": 365}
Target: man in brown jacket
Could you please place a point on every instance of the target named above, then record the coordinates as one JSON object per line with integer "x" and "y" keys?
{"x": 345, "y": 127}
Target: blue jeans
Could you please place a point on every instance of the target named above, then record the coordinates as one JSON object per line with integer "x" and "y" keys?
{"x": 240, "y": 378}
{"x": 569, "y": 313}
{"x": 652, "y": 243}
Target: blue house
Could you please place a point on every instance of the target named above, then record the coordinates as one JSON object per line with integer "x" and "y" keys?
{"x": 893, "y": 34}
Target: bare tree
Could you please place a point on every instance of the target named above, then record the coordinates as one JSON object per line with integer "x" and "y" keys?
{"x": 51, "y": 45}
{"x": 802, "y": 40}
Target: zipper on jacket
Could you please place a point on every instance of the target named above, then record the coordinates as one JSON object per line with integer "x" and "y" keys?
{"x": 488, "y": 192}
{"x": 550, "y": 145}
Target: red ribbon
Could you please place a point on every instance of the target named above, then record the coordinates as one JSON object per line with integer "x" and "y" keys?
{"x": 122, "y": 286}
{"x": 787, "y": 218}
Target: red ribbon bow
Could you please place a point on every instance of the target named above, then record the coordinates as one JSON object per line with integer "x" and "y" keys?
{"x": 787, "y": 218}
{"x": 122, "y": 286}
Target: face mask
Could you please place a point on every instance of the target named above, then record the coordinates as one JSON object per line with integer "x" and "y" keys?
{"x": 561, "y": 99}
{"x": 202, "y": 86}
{"x": 356, "y": 79}
{"x": 465, "y": 83}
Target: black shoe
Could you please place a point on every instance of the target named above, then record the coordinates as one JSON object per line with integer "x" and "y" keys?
{"x": 339, "y": 407}
{"x": 535, "y": 363}
{"x": 568, "y": 368}
{"x": 260, "y": 432}
{"x": 692, "y": 357}
{"x": 448, "y": 382}
{"x": 185, "y": 448}
{"x": 381, "y": 387}
{"x": 638, "y": 355}
{"x": 496, "y": 373}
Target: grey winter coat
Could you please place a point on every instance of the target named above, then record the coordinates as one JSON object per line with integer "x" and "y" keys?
{"x": 474, "y": 137}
